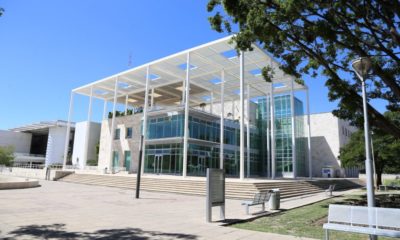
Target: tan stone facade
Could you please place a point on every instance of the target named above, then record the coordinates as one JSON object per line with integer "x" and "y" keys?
{"x": 122, "y": 144}
{"x": 328, "y": 135}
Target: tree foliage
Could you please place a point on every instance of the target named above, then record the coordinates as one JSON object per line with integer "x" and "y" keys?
{"x": 386, "y": 150}
{"x": 313, "y": 37}
{"x": 6, "y": 155}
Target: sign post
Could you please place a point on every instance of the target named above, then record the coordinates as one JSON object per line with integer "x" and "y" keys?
{"x": 215, "y": 192}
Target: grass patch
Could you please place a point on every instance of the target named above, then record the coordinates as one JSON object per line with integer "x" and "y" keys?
{"x": 307, "y": 221}
{"x": 391, "y": 182}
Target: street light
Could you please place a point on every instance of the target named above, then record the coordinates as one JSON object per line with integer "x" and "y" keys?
{"x": 361, "y": 67}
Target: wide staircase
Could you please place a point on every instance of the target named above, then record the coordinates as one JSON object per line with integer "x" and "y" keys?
{"x": 233, "y": 189}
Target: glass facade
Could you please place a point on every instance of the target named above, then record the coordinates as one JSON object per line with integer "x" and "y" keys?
{"x": 283, "y": 134}
{"x": 164, "y": 158}
{"x": 200, "y": 155}
{"x": 204, "y": 142}
{"x": 165, "y": 127}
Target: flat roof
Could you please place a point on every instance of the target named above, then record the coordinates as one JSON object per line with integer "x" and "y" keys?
{"x": 41, "y": 127}
{"x": 206, "y": 63}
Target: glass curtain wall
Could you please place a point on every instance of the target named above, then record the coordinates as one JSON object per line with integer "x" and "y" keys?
{"x": 283, "y": 134}
{"x": 167, "y": 158}
{"x": 204, "y": 142}
{"x": 164, "y": 158}
{"x": 165, "y": 127}
{"x": 301, "y": 139}
{"x": 263, "y": 123}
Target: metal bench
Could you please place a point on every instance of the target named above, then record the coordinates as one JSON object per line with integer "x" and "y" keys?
{"x": 330, "y": 189}
{"x": 358, "y": 219}
{"x": 259, "y": 199}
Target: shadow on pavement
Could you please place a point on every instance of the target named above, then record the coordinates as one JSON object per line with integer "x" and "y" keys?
{"x": 58, "y": 231}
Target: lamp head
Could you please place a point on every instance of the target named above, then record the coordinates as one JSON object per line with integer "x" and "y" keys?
{"x": 362, "y": 66}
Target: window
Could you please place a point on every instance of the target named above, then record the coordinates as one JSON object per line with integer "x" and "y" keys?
{"x": 115, "y": 159}
{"x": 128, "y": 132}
{"x": 117, "y": 133}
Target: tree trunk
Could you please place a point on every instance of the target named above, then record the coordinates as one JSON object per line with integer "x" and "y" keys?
{"x": 378, "y": 178}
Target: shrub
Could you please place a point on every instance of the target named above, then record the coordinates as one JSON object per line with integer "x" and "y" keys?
{"x": 6, "y": 155}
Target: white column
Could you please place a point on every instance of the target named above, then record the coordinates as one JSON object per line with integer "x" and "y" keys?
{"x": 273, "y": 142}
{"x": 248, "y": 130}
{"x": 211, "y": 102}
{"x": 233, "y": 109}
{"x": 112, "y": 130}
{"x": 126, "y": 105}
{"x": 183, "y": 90}
{"x": 292, "y": 110}
{"x": 221, "y": 136}
{"x": 186, "y": 127}
{"x": 145, "y": 110}
{"x": 105, "y": 109}
{"x": 152, "y": 98}
{"x": 267, "y": 103}
{"x": 87, "y": 134}
{"x": 309, "y": 135}
{"x": 71, "y": 107}
{"x": 241, "y": 115}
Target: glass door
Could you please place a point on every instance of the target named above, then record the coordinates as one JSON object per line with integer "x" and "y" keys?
{"x": 166, "y": 164}
{"x": 158, "y": 164}
{"x": 127, "y": 161}
{"x": 115, "y": 159}
{"x": 201, "y": 165}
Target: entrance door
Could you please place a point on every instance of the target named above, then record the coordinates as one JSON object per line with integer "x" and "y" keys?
{"x": 158, "y": 164}
{"x": 115, "y": 159}
{"x": 127, "y": 162}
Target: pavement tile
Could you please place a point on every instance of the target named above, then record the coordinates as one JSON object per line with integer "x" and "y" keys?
{"x": 77, "y": 211}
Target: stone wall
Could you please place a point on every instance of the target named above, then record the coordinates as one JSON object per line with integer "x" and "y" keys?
{"x": 123, "y": 144}
{"x": 328, "y": 135}
{"x": 33, "y": 173}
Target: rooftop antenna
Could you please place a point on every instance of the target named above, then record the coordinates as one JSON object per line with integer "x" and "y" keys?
{"x": 130, "y": 59}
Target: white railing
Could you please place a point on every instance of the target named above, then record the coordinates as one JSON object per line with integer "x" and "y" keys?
{"x": 35, "y": 166}
{"x": 27, "y": 165}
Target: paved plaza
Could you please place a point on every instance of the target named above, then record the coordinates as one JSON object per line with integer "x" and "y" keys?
{"x": 60, "y": 210}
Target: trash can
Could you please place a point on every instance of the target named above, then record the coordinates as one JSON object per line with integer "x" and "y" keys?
{"x": 105, "y": 171}
{"x": 275, "y": 199}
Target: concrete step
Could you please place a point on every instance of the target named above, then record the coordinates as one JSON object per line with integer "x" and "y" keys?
{"x": 236, "y": 190}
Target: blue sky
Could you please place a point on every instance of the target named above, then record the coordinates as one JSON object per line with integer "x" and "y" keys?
{"x": 49, "y": 47}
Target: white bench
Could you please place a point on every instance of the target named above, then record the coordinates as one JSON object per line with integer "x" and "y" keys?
{"x": 358, "y": 219}
{"x": 259, "y": 199}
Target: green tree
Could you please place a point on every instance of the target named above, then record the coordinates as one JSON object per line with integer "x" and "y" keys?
{"x": 386, "y": 151}
{"x": 314, "y": 37}
{"x": 6, "y": 155}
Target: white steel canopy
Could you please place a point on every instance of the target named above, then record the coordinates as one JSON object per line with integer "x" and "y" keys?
{"x": 206, "y": 63}
{"x": 41, "y": 127}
